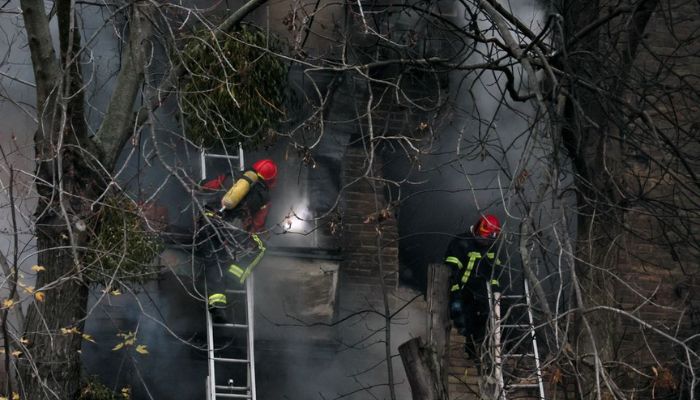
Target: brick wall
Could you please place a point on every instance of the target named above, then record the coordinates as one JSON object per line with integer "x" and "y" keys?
{"x": 462, "y": 378}
{"x": 659, "y": 263}
{"x": 369, "y": 235}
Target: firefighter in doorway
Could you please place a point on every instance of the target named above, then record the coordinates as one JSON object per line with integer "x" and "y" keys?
{"x": 247, "y": 200}
{"x": 471, "y": 258}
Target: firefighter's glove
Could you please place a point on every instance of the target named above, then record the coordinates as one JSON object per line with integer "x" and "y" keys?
{"x": 456, "y": 308}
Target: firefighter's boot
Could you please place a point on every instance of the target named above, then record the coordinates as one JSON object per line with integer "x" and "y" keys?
{"x": 218, "y": 309}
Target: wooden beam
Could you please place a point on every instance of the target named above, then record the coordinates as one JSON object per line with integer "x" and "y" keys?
{"x": 426, "y": 364}
{"x": 439, "y": 324}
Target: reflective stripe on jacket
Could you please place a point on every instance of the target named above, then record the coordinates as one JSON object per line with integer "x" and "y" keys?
{"x": 471, "y": 265}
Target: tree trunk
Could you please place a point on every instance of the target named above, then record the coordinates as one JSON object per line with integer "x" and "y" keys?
{"x": 72, "y": 169}
{"x": 67, "y": 184}
{"x": 51, "y": 370}
{"x": 423, "y": 370}
{"x": 593, "y": 139}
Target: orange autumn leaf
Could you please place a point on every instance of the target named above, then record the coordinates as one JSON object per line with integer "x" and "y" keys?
{"x": 8, "y": 303}
{"x": 556, "y": 376}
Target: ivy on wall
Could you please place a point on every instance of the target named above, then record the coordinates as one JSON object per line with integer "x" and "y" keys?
{"x": 234, "y": 90}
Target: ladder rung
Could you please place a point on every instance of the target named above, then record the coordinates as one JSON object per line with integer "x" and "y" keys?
{"x": 512, "y": 296}
{"x": 517, "y": 326}
{"x": 234, "y": 291}
{"x": 522, "y": 385}
{"x": 225, "y": 156}
{"x": 234, "y": 396}
{"x": 231, "y": 325}
{"x": 230, "y": 360}
{"x": 232, "y": 387}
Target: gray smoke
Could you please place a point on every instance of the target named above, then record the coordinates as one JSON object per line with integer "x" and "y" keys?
{"x": 465, "y": 173}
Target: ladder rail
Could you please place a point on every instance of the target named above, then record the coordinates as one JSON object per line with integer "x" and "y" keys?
{"x": 251, "y": 335}
{"x": 535, "y": 347}
{"x": 212, "y": 389}
{"x": 211, "y": 386}
{"x": 495, "y": 299}
{"x": 211, "y": 377}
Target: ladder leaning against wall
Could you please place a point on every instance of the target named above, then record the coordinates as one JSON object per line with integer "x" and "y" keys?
{"x": 231, "y": 376}
{"x": 513, "y": 357}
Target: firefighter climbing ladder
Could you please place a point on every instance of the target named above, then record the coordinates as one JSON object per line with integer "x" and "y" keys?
{"x": 241, "y": 368}
{"x": 504, "y": 357}
{"x": 245, "y": 366}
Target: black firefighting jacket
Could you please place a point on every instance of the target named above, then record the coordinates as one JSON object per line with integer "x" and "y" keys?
{"x": 472, "y": 264}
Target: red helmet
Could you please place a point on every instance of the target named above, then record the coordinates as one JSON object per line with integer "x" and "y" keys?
{"x": 488, "y": 226}
{"x": 266, "y": 168}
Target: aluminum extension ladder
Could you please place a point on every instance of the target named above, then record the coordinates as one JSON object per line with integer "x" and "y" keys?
{"x": 240, "y": 367}
{"x": 235, "y": 366}
{"x": 499, "y": 329}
